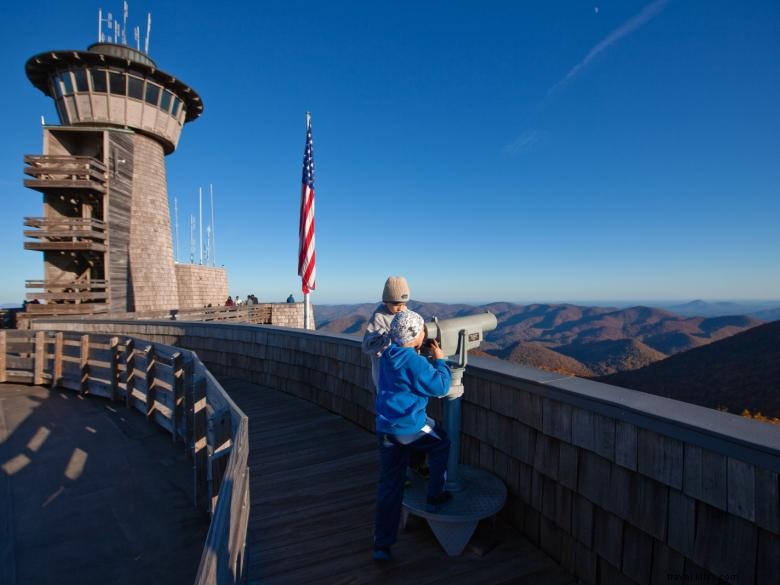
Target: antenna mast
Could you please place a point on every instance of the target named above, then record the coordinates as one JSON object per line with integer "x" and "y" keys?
{"x": 200, "y": 222}
{"x": 148, "y": 31}
{"x": 213, "y": 229}
{"x": 124, "y": 23}
{"x": 192, "y": 239}
{"x": 208, "y": 244}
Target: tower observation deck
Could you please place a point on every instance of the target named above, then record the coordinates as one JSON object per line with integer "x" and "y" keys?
{"x": 105, "y": 232}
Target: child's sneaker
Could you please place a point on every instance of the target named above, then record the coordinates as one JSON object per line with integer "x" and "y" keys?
{"x": 435, "y": 503}
{"x": 383, "y": 555}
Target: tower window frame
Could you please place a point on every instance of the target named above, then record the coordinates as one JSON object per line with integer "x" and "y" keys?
{"x": 117, "y": 83}
{"x": 135, "y": 87}
{"x": 99, "y": 83}
{"x": 80, "y": 77}
{"x": 152, "y": 94}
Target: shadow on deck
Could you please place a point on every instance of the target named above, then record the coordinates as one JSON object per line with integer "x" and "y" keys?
{"x": 313, "y": 482}
{"x": 91, "y": 493}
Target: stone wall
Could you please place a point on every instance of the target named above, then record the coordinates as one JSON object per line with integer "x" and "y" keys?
{"x": 618, "y": 486}
{"x": 289, "y": 315}
{"x": 153, "y": 278}
{"x": 201, "y": 286}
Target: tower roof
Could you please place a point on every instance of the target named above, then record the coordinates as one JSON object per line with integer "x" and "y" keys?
{"x": 39, "y": 68}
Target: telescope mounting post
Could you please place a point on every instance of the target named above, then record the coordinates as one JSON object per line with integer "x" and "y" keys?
{"x": 452, "y": 416}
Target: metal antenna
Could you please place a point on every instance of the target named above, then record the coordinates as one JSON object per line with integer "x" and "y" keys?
{"x": 100, "y": 25}
{"x": 137, "y": 36}
{"x": 148, "y": 31}
{"x": 208, "y": 243}
{"x": 124, "y": 23}
{"x": 176, "y": 225}
{"x": 200, "y": 222}
{"x": 192, "y": 239}
{"x": 213, "y": 229}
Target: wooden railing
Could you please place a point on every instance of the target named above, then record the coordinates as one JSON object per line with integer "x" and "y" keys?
{"x": 173, "y": 389}
{"x": 51, "y": 172}
{"x": 65, "y": 227}
{"x": 260, "y": 314}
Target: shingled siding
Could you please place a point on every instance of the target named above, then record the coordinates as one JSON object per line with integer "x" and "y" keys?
{"x": 618, "y": 486}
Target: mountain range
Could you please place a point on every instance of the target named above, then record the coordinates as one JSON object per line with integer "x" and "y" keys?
{"x": 742, "y": 371}
{"x": 572, "y": 339}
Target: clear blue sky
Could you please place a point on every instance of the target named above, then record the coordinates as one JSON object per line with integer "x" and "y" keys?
{"x": 524, "y": 151}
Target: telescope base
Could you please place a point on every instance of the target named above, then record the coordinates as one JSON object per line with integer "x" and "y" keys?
{"x": 482, "y": 495}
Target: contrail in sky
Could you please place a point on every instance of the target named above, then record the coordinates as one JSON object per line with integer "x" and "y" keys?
{"x": 647, "y": 14}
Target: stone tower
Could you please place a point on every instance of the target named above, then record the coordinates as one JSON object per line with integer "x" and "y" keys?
{"x": 105, "y": 233}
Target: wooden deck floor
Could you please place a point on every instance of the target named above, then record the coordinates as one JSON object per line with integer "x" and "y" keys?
{"x": 91, "y": 493}
{"x": 313, "y": 481}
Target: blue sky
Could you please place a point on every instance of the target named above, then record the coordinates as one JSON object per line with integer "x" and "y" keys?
{"x": 523, "y": 151}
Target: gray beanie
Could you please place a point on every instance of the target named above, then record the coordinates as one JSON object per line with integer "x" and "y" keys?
{"x": 405, "y": 327}
{"x": 396, "y": 290}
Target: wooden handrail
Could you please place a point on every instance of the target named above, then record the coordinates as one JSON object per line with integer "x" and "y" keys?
{"x": 77, "y": 285}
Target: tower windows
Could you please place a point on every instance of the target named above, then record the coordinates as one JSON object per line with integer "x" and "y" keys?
{"x": 67, "y": 84}
{"x": 152, "y": 94}
{"x": 81, "y": 80}
{"x": 165, "y": 101}
{"x": 135, "y": 87}
{"x": 98, "y": 80}
{"x": 117, "y": 82}
{"x": 176, "y": 107}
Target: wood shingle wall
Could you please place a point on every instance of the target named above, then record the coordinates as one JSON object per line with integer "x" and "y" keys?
{"x": 618, "y": 486}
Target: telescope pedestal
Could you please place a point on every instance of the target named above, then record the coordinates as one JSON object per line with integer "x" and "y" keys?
{"x": 482, "y": 495}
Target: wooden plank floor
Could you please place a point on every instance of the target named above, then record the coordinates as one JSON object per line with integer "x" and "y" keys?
{"x": 91, "y": 493}
{"x": 313, "y": 482}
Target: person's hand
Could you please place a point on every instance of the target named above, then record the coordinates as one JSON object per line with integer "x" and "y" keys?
{"x": 455, "y": 392}
{"x": 435, "y": 349}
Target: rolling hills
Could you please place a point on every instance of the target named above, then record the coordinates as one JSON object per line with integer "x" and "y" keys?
{"x": 567, "y": 338}
{"x": 741, "y": 371}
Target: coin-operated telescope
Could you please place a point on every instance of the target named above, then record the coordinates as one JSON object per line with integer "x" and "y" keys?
{"x": 476, "y": 494}
{"x": 456, "y": 337}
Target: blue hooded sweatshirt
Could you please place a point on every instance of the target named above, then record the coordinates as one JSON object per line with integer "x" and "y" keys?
{"x": 406, "y": 380}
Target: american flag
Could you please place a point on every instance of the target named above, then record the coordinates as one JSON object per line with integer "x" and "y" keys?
{"x": 306, "y": 256}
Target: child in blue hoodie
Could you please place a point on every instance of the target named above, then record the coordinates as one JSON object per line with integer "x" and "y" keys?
{"x": 406, "y": 380}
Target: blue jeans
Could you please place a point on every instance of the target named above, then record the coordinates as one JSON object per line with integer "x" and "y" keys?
{"x": 394, "y": 458}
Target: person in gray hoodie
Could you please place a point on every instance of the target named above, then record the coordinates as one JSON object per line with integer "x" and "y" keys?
{"x": 376, "y": 340}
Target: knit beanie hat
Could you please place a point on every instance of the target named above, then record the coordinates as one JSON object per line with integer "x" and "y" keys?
{"x": 396, "y": 290}
{"x": 405, "y": 327}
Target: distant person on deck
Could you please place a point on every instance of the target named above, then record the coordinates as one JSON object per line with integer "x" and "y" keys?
{"x": 406, "y": 381}
{"x": 291, "y": 299}
{"x": 229, "y": 301}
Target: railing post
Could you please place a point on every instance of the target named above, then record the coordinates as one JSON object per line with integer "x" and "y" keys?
{"x": 188, "y": 396}
{"x": 84, "y": 358}
{"x": 178, "y": 396}
{"x": 114, "y": 368}
{"x": 56, "y": 369}
{"x": 40, "y": 357}
{"x": 129, "y": 371}
{"x": 199, "y": 442}
{"x": 3, "y": 347}
{"x": 149, "y": 374}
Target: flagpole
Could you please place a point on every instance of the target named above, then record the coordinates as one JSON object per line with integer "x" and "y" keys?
{"x": 306, "y": 257}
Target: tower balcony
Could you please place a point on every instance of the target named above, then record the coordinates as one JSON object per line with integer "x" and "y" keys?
{"x": 78, "y": 173}
{"x": 65, "y": 233}
{"x": 66, "y": 297}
